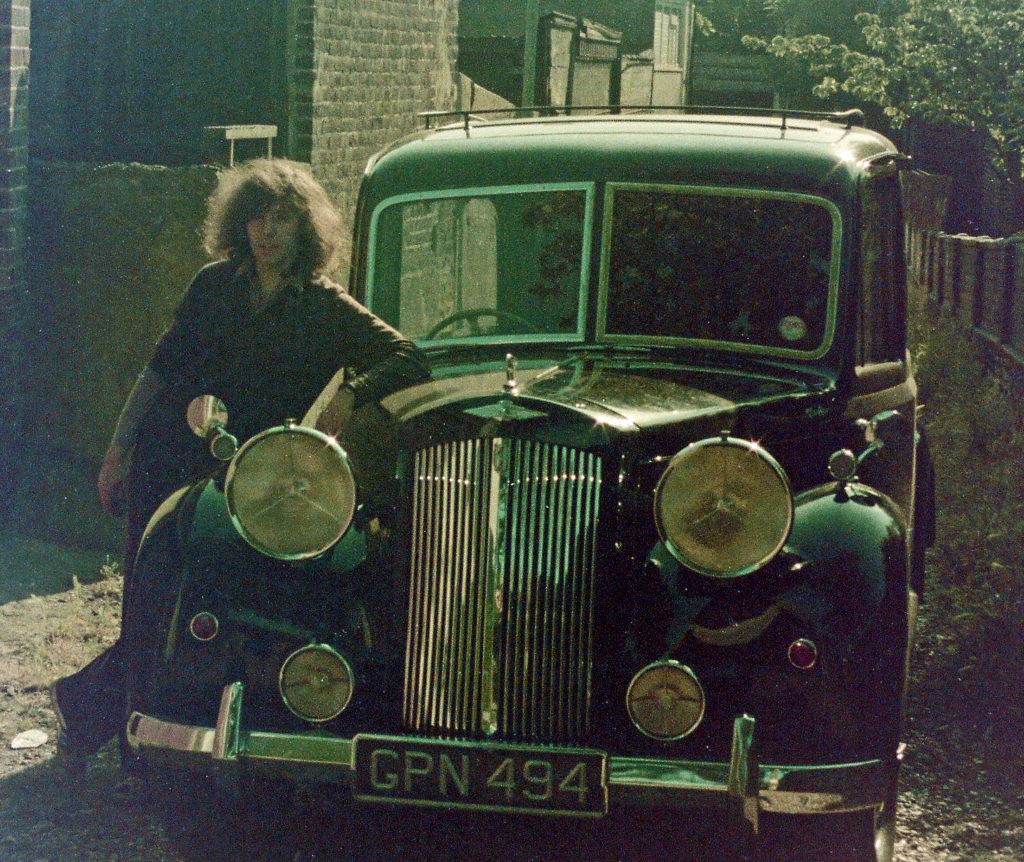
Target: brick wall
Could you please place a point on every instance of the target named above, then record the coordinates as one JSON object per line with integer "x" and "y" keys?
{"x": 14, "y": 60}
{"x": 377, "y": 64}
{"x": 113, "y": 245}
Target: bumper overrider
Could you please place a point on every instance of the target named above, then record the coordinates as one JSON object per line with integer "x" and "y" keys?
{"x": 525, "y": 778}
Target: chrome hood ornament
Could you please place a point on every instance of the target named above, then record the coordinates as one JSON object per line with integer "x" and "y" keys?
{"x": 511, "y": 364}
{"x": 505, "y": 410}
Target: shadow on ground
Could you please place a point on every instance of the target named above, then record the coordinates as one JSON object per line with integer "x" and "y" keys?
{"x": 186, "y": 818}
{"x": 30, "y": 567}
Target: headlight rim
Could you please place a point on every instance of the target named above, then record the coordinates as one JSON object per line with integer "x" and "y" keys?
{"x": 686, "y": 671}
{"x": 319, "y": 647}
{"x": 748, "y": 446}
{"x": 288, "y": 427}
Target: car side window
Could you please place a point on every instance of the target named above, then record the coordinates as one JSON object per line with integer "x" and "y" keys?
{"x": 881, "y": 325}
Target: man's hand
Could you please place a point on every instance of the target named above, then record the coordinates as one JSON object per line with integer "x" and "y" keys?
{"x": 337, "y": 412}
{"x": 111, "y": 481}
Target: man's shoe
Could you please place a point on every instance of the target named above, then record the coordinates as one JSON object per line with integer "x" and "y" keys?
{"x": 71, "y": 758}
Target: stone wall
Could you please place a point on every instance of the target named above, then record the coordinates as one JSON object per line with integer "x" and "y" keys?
{"x": 377, "y": 64}
{"x": 14, "y": 58}
{"x": 114, "y": 247}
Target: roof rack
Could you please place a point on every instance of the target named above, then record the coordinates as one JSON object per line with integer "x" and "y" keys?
{"x": 850, "y": 118}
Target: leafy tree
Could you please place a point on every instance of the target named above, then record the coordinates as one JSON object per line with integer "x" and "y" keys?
{"x": 937, "y": 61}
{"x": 727, "y": 22}
{"x": 724, "y": 23}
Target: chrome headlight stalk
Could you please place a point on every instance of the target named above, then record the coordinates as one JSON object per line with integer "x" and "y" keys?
{"x": 291, "y": 492}
{"x": 723, "y": 507}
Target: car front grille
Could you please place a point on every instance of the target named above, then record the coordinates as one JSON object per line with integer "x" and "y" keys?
{"x": 501, "y": 590}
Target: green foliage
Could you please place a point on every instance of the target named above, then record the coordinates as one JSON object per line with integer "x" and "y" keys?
{"x": 727, "y": 22}
{"x": 974, "y": 601}
{"x": 930, "y": 60}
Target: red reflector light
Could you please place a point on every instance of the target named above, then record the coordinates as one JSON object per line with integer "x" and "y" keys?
{"x": 803, "y": 654}
{"x": 204, "y": 626}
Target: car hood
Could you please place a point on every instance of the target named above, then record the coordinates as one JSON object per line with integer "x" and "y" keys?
{"x": 615, "y": 392}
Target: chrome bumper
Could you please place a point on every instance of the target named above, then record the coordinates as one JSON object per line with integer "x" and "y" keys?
{"x": 742, "y": 785}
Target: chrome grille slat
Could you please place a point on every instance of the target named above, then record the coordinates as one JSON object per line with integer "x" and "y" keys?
{"x": 463, "y": 671}
{"x": 501, "y": 589}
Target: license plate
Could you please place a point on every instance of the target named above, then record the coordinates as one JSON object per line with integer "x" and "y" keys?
{"x": 480, "y": 776}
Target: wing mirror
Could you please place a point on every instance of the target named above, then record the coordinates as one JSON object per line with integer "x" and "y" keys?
{"x": 882, "y": 428}
{"x": 206, "y": 416}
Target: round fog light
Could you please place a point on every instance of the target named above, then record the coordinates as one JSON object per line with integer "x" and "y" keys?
{"x": 665, "y": 700}
{"x": 204, "y": 626}
{"x": 316, "y": 683}
{"x": 842, "y": 465}
{"x": 803, "y": 654}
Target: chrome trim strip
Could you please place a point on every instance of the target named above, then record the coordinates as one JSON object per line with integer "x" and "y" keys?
{"x": 493, "y": 503}
{"x": 299, "y": 748}
{"x": 782, "y": 789}
{"x": 229, "y": 719}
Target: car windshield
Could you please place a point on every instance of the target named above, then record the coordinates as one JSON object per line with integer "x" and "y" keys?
{"x": 465, "y": 266}
{"x": 751, "y": 270}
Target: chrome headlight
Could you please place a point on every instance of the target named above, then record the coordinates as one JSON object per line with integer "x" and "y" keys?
{"x": 665, "y": 701}
{"x": 723, "y": 507}
{"x": 290, "y": 492}
{"x": 316, "y": 683}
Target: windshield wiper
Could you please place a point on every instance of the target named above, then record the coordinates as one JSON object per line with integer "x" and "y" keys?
{"x": 606, "y": 348}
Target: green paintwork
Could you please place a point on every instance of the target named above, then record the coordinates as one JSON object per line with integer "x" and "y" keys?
{"x": 802, "y": 159}
{"x": 815, "y": 157}
{"x": 847, "y": 521}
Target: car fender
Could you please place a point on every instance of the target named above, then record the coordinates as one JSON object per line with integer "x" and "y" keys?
{"x": 210, "y": 531}
{"x": 850, "y": 545}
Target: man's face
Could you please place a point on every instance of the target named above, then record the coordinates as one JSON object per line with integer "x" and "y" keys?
{"x": 273, "y": 236}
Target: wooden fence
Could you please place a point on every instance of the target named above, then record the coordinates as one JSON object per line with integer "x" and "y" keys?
{"x": 977, "y": 279}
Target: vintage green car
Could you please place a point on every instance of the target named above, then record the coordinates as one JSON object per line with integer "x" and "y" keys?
{"x": 651, "y": 535}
